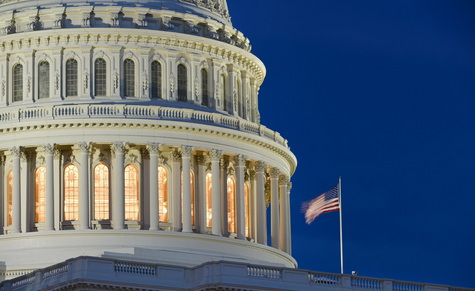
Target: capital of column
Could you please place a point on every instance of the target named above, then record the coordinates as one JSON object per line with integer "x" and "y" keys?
{"x": 201, "y": 160}
{"x": 153, "y": 148}
{"x": 274, "y": 173}
{"x": 223, "y": 163}
{"x": 84, "y": 147}
{"x": 252, "y": 174}
{"x": 118, "y": 148}
{"x": 260, "y": 166}
{"x": 283, "y": 180}
{"x": 215, "y": 154}
{"x": 186, "y": 151}
{"x": 15, "y": 152}
{"x": 50, "y": 149}
{"x": 289, "y": 186}
{"x": 176, "y": 157}
{"x": 240, "y": 160}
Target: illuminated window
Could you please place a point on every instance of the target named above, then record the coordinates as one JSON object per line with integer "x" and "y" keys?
{"x": 223, "y": 92}
{"x": 9, "y": 198}
{"x": 132, "y": 198}
{"x": 101, "y": 192}
{"x": 204, "y": 88}
{"x": 17, "y": 91}
{"x": 71, "y": 78}
{"x": 163, "y": 194}
{"x": 247, "y": 209}
{"x": 182, "y": 83}
{"x": 209, "y": 195}
{"x": 43, "y": 80}
{"x": 40, "y": 194}
{"x": 100, "y": 77}
{"x": 71, "y": 193}
{"x": 156, "y": 80}
{"x": 231, "y": 190}
{"x": 129, "y": 78}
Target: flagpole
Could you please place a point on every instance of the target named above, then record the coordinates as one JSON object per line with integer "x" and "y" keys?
{"x": 341, "y": 226}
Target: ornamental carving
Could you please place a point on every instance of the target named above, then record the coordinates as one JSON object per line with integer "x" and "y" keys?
{"x": 186, "y": 151}
{"x": 15, "y": 152}
{"x": 49, "y": 149}
{"x": 240, "y": 161}
{"x": 153, "y": 148}
{"x": 118, "y": 148}
{"x": 283, "y": 180}
{"x": 176, "y": 157}
{"x": 215, "y": 154}
{"x": 217, "y": 6}
{"x": 260, "y": 166}
{"x": 84, "y": 147}
{"x": 274, "y": 173}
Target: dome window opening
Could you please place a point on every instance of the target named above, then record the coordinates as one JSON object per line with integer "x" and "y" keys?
{"x": 71, "y": 78}
{"x": 43, "y": 80}
{"x": 129, "y": 78}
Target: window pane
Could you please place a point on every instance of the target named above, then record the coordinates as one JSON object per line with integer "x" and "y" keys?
{"x": 182, "y": 83}
{"x": 209, "y": 195}
{"x": 163, "y": 194}
{"x": 129, "y": 78}
{"x": 156, "y": 80}
{"x": 204, "y": 88}
{"x": 101, "y": 192}
{"x": 71, "y": 193}
{"x": 17, "y": 83}
{"x": 223, "y": 92}
{"x": 40, "y": 194}
{"x": 71, "y": 78}
{"x": 9, "y": 197}
{"x": 100, "y": 77}
{"x": 132, "y": 200}
{"x": 231, "y": 188}
{"x": 43, "y": 80}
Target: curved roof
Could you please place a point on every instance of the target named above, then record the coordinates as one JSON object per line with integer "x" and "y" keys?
{"x": 212, "y": 9}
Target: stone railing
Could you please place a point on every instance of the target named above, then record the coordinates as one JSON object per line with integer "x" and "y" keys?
{"x": 15, "y": 117}
{"x": 109, "y": 272}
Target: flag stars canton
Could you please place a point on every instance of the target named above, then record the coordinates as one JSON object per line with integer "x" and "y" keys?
{"x": 326, "y": 202}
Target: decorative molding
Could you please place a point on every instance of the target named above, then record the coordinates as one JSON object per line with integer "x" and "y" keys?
{"x": 215, "y": 155}
{"x": 186, "y": 151}
{"x": 260, "y": 166}
{"x": 153, "y": 148}
{"x": 240, "y": 160}
{"x": 274, "y": 173}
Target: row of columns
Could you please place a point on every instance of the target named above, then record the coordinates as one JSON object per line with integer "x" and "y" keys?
{"x": 181, "y": 192}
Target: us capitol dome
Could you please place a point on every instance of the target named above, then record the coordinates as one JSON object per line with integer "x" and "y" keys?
{"x": 131, "y": 130}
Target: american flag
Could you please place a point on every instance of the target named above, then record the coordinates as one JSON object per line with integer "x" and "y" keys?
{"x": 327, "y": 202}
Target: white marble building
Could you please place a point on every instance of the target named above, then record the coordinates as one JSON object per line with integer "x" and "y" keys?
{"x": 132, "y": 154}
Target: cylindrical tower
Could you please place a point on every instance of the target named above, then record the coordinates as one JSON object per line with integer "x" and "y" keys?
{"x": 132, "y": 130}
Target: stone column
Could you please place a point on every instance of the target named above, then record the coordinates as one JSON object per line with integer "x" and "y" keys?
{"x": 261, "y": 204}
{"x": 201, "y": 161}
{"x": 16, "y": 182}
{"x": 176, "y": 191}
{"x": 215, "y": 155}
{"x": 84, "y": 185}
{"x": 253, "y": 204}
{"x": 118, "y": 198}
{"x": 57, "y": 189}
{"x": 186, "y": 162}
{"x": 240, "y": 162}
{"x": 153, "y": 150}
{"x": 284, "y": 220}
{"x": 289, "y": 228}
{"x": 223, "y": 176}
{"x": 274, "y": 201}
{"x": 49, "y": 156}
{"x": 2, "y": 193}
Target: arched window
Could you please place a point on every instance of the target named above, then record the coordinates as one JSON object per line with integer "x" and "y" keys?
{"x": 163, "y": 194}
{"x": 231, "y": 190}
{"x": 209, "y": 195}
{"x": 204, "y": 88}
{"x": 223, "y": 92}
{"x": 71, "y": 78}
{"x": 43, "y": 80}
{"x": 129, "y": 78}
{"x": 247, "y": 209}
{"x": 17, "y": 91}
{"x": 10, "y": 198}
{"x": 40, "y": 194}
{"x": 71, "y": 193}
{"x": 182, "y": 83}
{"x": 132, "y": 197}
{"x": 100, "y": 77}
{"x": 156, "y": 75}
{"x": 101, "y": 192}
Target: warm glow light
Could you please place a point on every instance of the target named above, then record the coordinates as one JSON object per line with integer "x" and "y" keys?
{"x": 71, "y": 192}
{"x": 231, "y": 188}
{"x": 163, "y": 194}
{"x": 131, "y": 189}
{"x": 40, "y": 194}
{"x": 209, "y": 193}
{"x": 101, "y": 192}
{"x": 9, "y": 197}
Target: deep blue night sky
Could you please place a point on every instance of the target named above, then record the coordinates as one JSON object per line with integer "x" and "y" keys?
{"x": 380, "y": 93}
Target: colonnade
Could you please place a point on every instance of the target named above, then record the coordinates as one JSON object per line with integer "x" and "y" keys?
{"x": 228, "y": 194}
